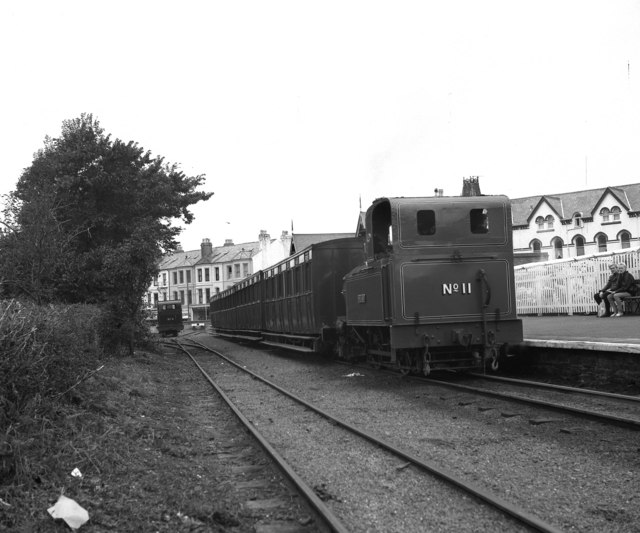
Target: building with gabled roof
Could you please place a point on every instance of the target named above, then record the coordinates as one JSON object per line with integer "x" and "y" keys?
{"x": 578, "y": 223}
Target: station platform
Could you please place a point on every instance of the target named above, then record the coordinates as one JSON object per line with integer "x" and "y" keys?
{"x": 583, "y": 332}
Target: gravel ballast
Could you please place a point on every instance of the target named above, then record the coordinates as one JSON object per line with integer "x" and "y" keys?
{"x": 574, "y": 474}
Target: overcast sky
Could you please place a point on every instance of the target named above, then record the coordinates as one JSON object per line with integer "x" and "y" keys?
{"x": 297, "y": 110}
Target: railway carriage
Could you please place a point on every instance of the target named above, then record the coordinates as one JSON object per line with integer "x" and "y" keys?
{"x": 295, "y": 303}
{"x": 430, "y": 287}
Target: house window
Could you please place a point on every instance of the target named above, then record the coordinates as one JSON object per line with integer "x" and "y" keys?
{"x": 175, "y": 295}
{"x": 625, "y": 239}
{"x": 604, "y": 213}
{"x": 181, "y": 276}
{"x": 557, "y": 244}
{"x": 206, "y": 274}
{"x": 182, "y": 297}
{"x": 601, "y": 239}
{"x": 164, "y": 279}
{"x": 188, "y": 276}
{"x": 189, "y": 297}
{"x": 245, "y": 270}
{"x": 577, "y": 220}
{"x": 237, "y": 269}
{"x": 578, "y": 242}
{"x": 540, "y": 223}
{"x": 549, "y": 221}
{"x": 229, "y": 272}
{"x": 535, "y": 245}
{"x": 175, "y": 278}
{"x": 615, "y": 211}
{"x": 217, "y": 290}
{"x": 207, "y": 293}
{"x": 199, "y": 296}
{"x": 199, "y": 274}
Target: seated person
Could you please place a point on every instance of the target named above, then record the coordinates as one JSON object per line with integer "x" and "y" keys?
{"x": 601, "y": 295}
{"x": 623, "y": 290}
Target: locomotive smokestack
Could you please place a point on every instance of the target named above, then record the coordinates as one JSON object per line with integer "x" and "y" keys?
{"x": 471, "y": 186}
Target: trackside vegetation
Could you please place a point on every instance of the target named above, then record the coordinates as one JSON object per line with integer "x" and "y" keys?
{"x": 81, "y": 237}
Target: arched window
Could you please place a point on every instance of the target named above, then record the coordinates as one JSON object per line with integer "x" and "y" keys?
{"x": 540, "y": 223}
{"x": 577, "y": 220}
{"x": 615, "y": 211}
{"x": 604, "y": 213}
{"x": 601, "y": 240}
{"x": 578, "y": 242}
{"x": 557, "y": 244}
{"x": 549, "y": 221}
{"x": 625, "y": 239}
{"x": 535, "y": 245}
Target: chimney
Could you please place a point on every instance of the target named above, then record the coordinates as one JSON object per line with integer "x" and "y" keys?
{"x": 264, "y": 238}
{"x": 228, "y": 242}
{"x": 206, "y": 248}
{"x": 286, "y": 242}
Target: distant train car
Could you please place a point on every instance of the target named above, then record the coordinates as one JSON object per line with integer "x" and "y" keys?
{"x": 295, "y": 303}
{"x": 170, "y": 317}
{"x": 430, "y": 287}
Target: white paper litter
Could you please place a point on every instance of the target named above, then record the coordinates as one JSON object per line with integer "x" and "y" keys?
{"x": 69, "y": 511}
{"x": 353, "y": 374}
{"x": 76, "y": 472}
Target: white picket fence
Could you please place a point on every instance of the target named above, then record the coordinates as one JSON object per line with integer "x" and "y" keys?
{"x": 567, "y": 286}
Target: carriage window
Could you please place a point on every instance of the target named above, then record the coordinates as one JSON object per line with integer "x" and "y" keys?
{"x": 426, "y": 222}
{"x": 479, "y": 220}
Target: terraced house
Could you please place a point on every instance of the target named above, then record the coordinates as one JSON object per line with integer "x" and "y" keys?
{"x": 558, "y": 226}
{"x": 193, "y": 276}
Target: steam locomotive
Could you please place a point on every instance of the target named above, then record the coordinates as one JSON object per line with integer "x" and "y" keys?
{"x": 429, "y": 286}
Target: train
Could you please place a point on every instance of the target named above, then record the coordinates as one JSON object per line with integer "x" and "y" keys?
{"x": 170, "y": 317}
{"x": 428, "y": 286}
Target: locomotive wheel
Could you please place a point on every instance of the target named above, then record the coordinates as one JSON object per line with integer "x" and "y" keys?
{"x": 403, "y": 361}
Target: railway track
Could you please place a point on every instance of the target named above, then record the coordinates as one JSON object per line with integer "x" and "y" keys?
{"x": 327, "y": 518}
{"x": 609, "y": 408}
{"x": 346, "y": 436}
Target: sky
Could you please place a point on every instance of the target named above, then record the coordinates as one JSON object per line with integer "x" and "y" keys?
{"x": 301, "y": 113}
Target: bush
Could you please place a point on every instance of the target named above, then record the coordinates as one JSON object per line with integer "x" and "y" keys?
{"x": 44, "y": 352}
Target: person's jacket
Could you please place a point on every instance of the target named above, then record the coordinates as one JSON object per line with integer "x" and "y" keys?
{"x": 611, "y": 283}
{"x": 625, "y": 282}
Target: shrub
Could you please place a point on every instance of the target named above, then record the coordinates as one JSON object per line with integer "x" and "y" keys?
{"x": 44, "y": 352}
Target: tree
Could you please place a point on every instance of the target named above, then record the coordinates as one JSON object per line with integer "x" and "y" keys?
{"x": 32, "y": 256}
{"x": 109, "y": 208}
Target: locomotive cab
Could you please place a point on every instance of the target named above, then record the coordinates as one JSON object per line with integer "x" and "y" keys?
{"x": 379, "y": 242}
{"x": 437, "y": 288}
